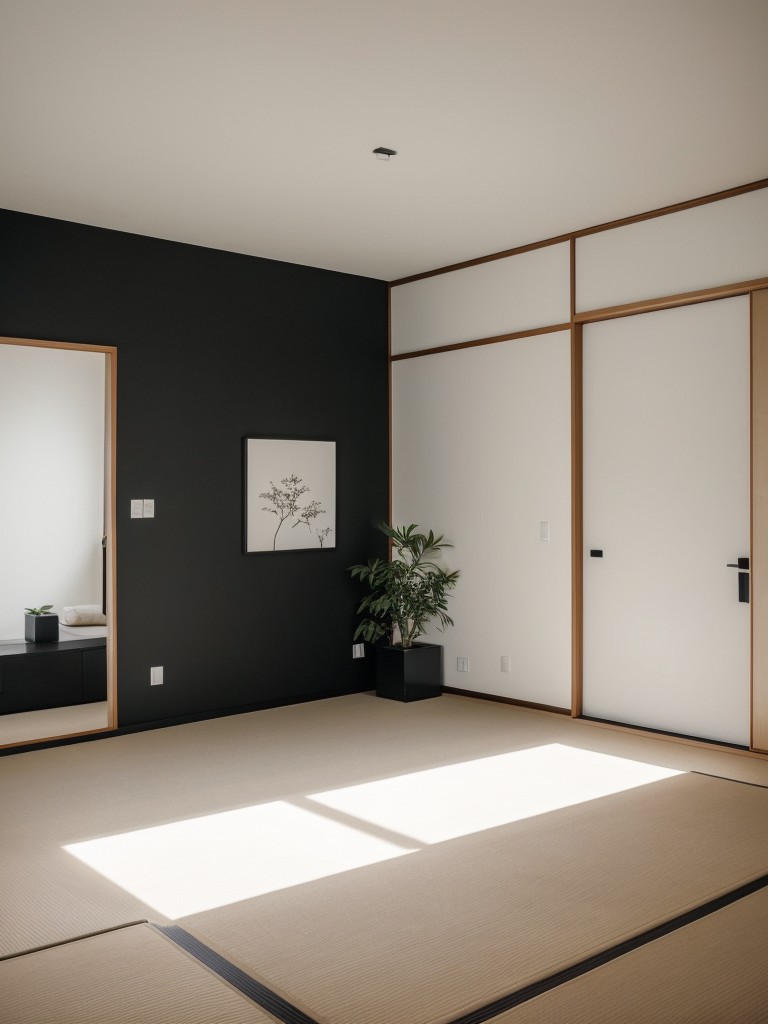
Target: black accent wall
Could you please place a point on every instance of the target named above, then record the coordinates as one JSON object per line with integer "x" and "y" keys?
{"x": 213, "y": 346}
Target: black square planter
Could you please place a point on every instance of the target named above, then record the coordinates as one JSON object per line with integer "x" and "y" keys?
{"x": 412, "y": 673}
{"x": 41, "y": 629}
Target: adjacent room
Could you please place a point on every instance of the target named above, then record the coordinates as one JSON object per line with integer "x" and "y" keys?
{"x": 271, "y": 277}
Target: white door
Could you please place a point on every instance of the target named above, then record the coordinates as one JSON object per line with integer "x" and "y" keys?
{"x": 666, "y": 503}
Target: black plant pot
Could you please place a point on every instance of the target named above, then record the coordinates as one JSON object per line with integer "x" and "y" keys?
{"x": 412, "y": 673}
{"x": 41, "y": 629}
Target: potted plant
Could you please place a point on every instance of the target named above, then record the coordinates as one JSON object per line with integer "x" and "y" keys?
{"x": 40, "y": 625}
{"x": 407, "y": 593}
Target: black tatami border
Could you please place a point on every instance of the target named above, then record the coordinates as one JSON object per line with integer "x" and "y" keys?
{"x": 523, "y": 995}
{"x": 289, "y": 1014}
{"x": 244, "y": 983}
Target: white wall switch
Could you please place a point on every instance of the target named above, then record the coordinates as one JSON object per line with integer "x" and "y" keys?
{"x": 462, "y": 664}
{"x": 505, "y": 663}
{"x": 156, "y": 675}
{"x": 137, "y": 508}
{"x": 543, "y": 532}
{"x": 358, "y": 650}
{"x": 149, "y": 508}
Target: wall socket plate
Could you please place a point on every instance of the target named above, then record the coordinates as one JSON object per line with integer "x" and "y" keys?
{"x": 505, "y": 663}
{"x": 358, "y": 650}
{"x": 156, "y": 675}
{"x": 142, "y": 508}
{"x": 462, "y": 664}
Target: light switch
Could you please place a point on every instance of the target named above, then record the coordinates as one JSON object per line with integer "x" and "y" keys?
{"x": 137, "y": 508}
{"x": 543, "y": 532}
{"x": 149, "y": 508}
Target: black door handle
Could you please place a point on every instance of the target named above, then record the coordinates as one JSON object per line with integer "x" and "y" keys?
{"x": 742, "y": 564}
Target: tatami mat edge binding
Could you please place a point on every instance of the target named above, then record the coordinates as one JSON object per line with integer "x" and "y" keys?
{"x": 74, "y": 938}
{"x": 244, "y": 983}
{"x": 289, "y": 1014}
{"x": 523, "y": 995}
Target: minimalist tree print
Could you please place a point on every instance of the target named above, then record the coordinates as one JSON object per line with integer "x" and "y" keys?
{"x": 284, "y": 503}
{"x": 290, "y": 494}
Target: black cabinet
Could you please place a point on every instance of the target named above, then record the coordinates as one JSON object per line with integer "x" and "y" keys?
{"x": 34, "y": 676}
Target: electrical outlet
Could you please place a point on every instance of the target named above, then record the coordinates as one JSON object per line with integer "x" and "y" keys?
{"x": 505, "y": 663}
{"x": 358, "y": 650}
{"x": 462, "y": 664}
{"x": 156, "y": 675}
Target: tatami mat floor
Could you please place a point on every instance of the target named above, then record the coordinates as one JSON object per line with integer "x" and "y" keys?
{"x": 377, "y": 863}
{"x": 28, "y": 726}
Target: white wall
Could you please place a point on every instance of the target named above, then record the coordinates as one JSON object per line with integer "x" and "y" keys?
{"x": 716, "y": 244}
{"x": 52, "y": 473}
{"x": 481, "y": 450}
{"x": 481, "y": 435}
{"x": 504, "y": 296}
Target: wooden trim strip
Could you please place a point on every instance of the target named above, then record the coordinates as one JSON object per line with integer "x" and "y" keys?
{"x": 20, "y": 746}
{"x": 73, "y": 345}
{"x": 661, "y": 211}
{"x": 759, "y": 524}
{"x": 111, "y": 521}
{"x": 725, "y": 291}
{"x": 577, "y": 521}
{"x": 514, "y": 336}
{"x": 390, "y": 420}
{"x": 507, "y": 700}
{"x": 688, "y": 204}
{"x": 606, "y": 313}
{"x": 517, "y": 251}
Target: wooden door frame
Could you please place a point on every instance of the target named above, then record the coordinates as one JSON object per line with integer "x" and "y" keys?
{"x": 110, "y": 462}
{"x": 758, "y": 296}
{"x": 759, "y": 530}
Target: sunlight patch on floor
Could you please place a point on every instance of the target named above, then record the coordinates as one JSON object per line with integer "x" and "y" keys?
{"x": 189, "y": 866}
{"x": 458, "y": 799}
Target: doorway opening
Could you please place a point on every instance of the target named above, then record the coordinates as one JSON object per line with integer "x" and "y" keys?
{"x": 57, "y": 456}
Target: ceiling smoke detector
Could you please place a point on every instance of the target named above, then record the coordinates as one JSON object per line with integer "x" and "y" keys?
{"x": 382, "y": 153}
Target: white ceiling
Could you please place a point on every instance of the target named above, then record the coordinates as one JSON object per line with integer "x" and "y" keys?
{"x": 248, "y": 125}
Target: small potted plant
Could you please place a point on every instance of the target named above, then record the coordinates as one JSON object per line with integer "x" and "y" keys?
{"x": 407, "y": 593}
{"x": 41, "y": 625}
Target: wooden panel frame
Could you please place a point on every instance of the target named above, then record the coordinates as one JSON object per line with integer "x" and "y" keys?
{"x": 110, "y": 462}
{"x": 577, "y": 522}
{"x": 757, "y": 289}
{"x": 456, "y": 345}
{"x": 759, "y": 540}
{"x": 662, "y": 211}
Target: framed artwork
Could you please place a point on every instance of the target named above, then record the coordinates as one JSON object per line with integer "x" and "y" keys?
{"x": 290, "y": 494}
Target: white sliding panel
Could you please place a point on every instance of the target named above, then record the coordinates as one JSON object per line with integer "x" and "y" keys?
{"x": 666, "y": 502}
{"x": 481, "y": 453}
{"x": 724, "y": 242}
{"x": 503, "y": 296}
